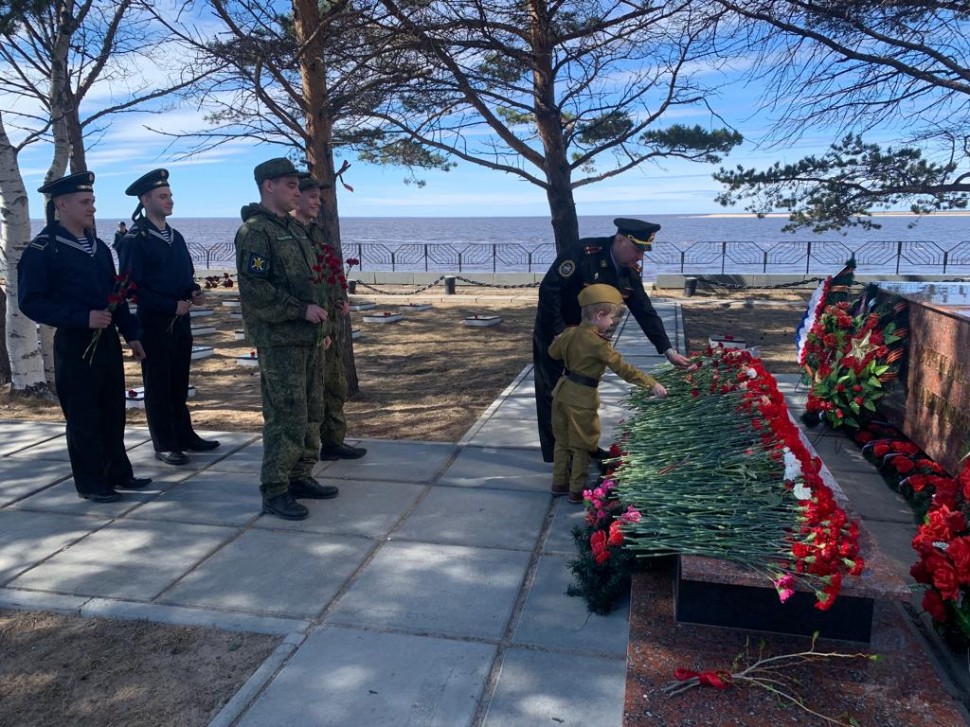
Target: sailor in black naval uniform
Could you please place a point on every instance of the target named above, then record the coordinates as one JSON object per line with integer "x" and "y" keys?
{"x": 154, "y": 254}
{"x": 611, "y": 260}
{"x": 66, "y": 278}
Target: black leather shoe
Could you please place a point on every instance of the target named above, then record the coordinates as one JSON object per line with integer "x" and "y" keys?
{"x": 202, "y": 445}
{"x": 100, "y": 497}
{"x": 309, "y": 489}
{"x": 174, "y": 457}
{"x": 135, "y": 483}
{"x": 341, "y": 451}
{"x": 600, "y": 453}
{"x": 284, "y": 506}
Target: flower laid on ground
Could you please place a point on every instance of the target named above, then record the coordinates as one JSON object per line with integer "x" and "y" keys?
{"x": 718, "y": 469}
{"x": 124, "y": 288}
{"x": 216, "y": 281}
{"x": 766, "y": 672}
{"x": 851, "y": 351}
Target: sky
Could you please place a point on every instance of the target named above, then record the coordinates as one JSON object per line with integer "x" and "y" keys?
{"x": 219, "y": 182}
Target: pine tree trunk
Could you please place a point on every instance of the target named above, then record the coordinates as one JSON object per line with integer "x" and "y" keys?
{"x": 307, "y": 22}
{"x": 26, "y": 363}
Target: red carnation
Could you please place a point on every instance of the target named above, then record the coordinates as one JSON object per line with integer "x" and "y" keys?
{"x": 934, "y": 606}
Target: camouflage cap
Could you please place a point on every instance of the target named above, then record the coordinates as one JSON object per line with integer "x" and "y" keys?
{"x": 599, "y": 293}
{"x": 308, "y": 181}
{"x": 80, "y": 182}
{"x": 273, "y": 168}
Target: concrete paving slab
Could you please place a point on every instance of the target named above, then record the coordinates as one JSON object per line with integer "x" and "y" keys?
{"x": 281, "y": 573}
{"x": 136, "y": 436}
{"x": 143, "y": 456}
{"x": 22, "y": 477}
{"x": 369, "y": 509}
{"x": 54, "y": 449}
{"x": 552, "y": 618}
{"x": 444, "y": 589}
{"x": 839, "y": 453}
{"x": 16, "y": 435}
{"x": 895, "y": 540}
{"x": 562, "y": 689}
{"x": 871, "y": 498}
{"x": 126, "y": 559}
{"x": 499, "y": 468}
{"x": 208, "y": 498}
{"x": 390, "y": 461}
{"x": 516, "y": 407}
{"x": 16, "y": 600}
{"x": 560, "y": 536}
{"x": 341, "y": 677}
{"x": 501, "y": 432}
{"x": 26, "y": 538}
{"x": 63, "y": 498}
{"x": 182, "y": 616}
{"x": 248, "y": 458}
{"x": 470, "y": 518}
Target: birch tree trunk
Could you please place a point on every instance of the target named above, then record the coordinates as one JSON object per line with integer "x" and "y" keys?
{"x": 26, "y": 363}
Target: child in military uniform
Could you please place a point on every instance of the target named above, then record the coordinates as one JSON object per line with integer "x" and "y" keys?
{"x": 586, "y": 353}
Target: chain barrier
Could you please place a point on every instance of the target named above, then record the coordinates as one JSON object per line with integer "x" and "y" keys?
{"x": 743, "y": 286}
{"x": 433, "y": 283}
{"x": 496, "y": 285}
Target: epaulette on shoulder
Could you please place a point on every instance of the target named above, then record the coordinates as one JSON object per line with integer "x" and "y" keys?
{"x": 40, "y": 242}
{"x": 592, "y": 249}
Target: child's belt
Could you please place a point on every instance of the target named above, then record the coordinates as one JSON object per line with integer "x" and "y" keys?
{"x": 582, "y": 380}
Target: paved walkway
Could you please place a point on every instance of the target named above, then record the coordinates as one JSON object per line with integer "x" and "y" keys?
{"x": 431, "y": 592}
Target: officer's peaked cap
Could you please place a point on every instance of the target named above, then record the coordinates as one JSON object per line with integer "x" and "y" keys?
{"x": 80, "y": 182}
{"x": 279, "y": 167}
{"x": 599, "y": 293}
{"x": 640, "y": 232}
{"x": 147, "y": 182}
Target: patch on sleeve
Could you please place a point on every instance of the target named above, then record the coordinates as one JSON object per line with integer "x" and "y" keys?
{"x": 567, "y": 268}
{"x": 258, "y": 265}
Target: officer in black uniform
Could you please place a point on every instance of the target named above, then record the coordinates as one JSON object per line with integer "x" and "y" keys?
{"x": 157, "y": 259}
{"x": 66, "y": 279}
{"x": 611, "y": 260}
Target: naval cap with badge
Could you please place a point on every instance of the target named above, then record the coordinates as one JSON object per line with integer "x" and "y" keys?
{"x": 147, "y": 182}
{"x": 640, "y": 233}
{"x": 71, "y": 184}
{"x": 273, "y": 168}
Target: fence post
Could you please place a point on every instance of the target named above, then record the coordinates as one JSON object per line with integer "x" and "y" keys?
{"x": 946, "y": 255}
{"x": 899, "y": 254}
{"x": 808, "y": 257}
{"x": 764, "y": 267}
{"x": 494, "y": 253}
{"x": 459, "y": 262}
{"x": 723, "y": 255}
{"x": 393, "y": 258}
{"x": 529, "y": 261}
{"x": 683, "y": 255}
{"x": 360, "y": 255}
{"x": 425, "y": 257}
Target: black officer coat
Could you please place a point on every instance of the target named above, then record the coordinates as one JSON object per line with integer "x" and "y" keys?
{"x": 584, "y": 264}
{"x": 164, "y": 273}
{"x": 59, "y": 282}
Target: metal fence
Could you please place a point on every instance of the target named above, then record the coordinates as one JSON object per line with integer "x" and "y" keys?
{"x": 708, "y": 256}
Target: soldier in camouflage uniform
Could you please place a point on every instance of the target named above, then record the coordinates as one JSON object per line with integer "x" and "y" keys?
{"x": 333, "y": 429}
{"x": 283, "y": 305}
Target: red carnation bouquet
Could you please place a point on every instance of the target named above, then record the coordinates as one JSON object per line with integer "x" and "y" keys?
{"x": 124, "y": 289}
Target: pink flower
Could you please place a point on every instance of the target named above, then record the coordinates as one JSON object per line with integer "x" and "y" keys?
{"x": 785, "y": 587}
{"x": 632, "y": 515}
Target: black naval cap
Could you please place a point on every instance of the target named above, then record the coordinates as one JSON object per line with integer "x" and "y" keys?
{"x": 308, "y": 181}
{"x": 279, "y": 167}
{"x": 147, "y": 182}
{"x": 640, "y": 233}
{"x": 80, "y": 182}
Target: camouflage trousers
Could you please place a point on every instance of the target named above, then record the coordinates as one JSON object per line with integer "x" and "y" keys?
{"x": 292, "y": 410}
{"x": 333, "y": 429}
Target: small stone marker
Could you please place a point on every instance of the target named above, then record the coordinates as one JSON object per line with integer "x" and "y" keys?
{"x": 231, "y": 303}
{"x": 203, "y": 330}
{"x": 415, "y": 307}
{"x": 239, "y": 334}
{"x": 726, "y": 341}
{"x": 251, "y": 360}
{"x": 355, "y": 333}
{"x": 385, "y": 317}
{"x": 236, "y": 315}
{"x": 135, "y": 398}
{"x": 200, "y": 312}
{"x": 200, "y": 352}
{"x": 482, "y": 321}
{"x": 362, "y": 305}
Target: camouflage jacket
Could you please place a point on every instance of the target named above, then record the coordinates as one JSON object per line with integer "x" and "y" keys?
{"x": 275, "y": 262}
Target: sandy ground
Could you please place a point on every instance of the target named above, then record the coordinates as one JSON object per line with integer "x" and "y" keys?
{"x": 426, "y": 378}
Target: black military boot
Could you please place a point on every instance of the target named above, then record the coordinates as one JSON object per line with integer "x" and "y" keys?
{"x": 284, "y": 506}
{"x": 341, "y": 451}
{"x": 308, "y": 488}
